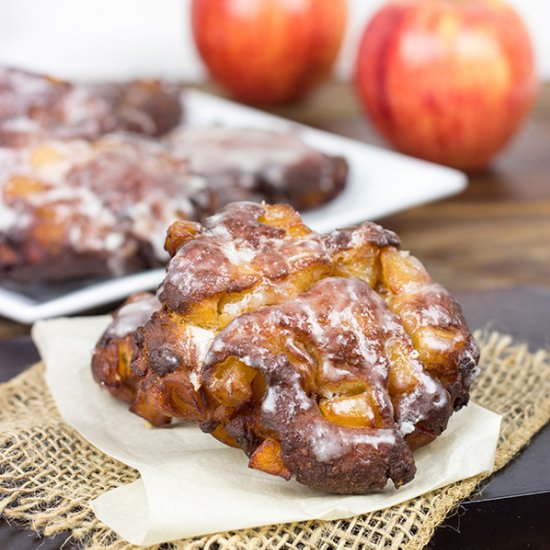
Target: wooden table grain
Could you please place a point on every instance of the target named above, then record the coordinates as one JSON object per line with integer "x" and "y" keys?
{"x": 496, "y": 234}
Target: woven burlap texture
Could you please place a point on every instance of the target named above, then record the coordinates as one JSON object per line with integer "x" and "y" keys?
{"x": 48, "y": 473}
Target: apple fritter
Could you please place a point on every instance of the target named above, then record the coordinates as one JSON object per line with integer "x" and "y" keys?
{"x": 36, "y": 107}
{"x": 325, "y": 357}
{"x": 253, "y": 164}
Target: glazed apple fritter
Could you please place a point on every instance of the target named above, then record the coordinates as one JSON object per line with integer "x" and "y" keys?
{"x": 259, "y": 165}
{"x": 327, "y": 357}
{"x": 35, "y": 107}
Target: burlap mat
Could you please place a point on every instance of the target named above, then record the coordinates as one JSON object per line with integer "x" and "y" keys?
{"x": 48, "y": 473}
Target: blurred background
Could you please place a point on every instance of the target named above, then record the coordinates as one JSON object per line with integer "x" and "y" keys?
{"x": 119, "y": 39}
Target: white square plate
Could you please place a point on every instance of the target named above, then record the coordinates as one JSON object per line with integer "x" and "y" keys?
{"x": 380, "y": 183}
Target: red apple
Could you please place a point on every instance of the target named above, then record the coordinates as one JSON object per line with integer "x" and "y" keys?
{"x": 447, "y": 80}
{"x": 268, "y": 51}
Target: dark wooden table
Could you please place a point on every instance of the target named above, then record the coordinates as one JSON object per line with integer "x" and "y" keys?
{"x": 494, "y": 235}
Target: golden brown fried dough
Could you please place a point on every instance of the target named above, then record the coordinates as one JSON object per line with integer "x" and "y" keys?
{"x": 329, "y": 358}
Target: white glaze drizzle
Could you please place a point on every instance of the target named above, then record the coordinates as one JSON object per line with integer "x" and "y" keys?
{"x": 330, "y": 445}
{"x": 133, "y": 315}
